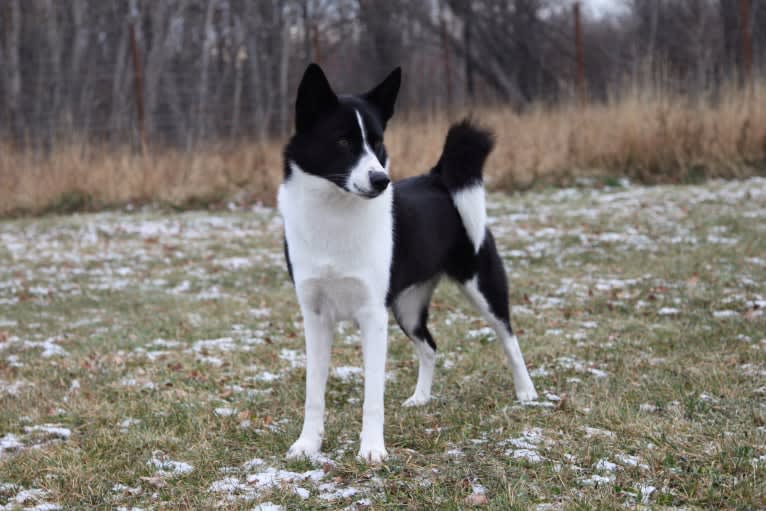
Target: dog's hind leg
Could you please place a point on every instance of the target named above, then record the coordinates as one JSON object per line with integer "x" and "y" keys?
{"x": 488, "y": 290}
{"x": 319, "y": 334}
{"x": 411, "y": 312}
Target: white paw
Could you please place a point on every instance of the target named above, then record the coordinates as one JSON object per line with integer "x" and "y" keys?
{"x": 372, "y": 453}
{"x": 416, "y": 400}
{"x": 304, "y": 448}
{"x": 526, "y": 394}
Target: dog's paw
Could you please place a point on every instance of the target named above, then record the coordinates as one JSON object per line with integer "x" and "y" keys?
{"x": 372, "y": 454}
{"x": 526, "y": 394}
{"x": 416, "y": 400}
{"x": 304, "y": 448}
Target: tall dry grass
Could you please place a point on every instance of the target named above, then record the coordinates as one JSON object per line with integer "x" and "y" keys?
{"x": 78, "y": 175}
{"x": 647, "y": 135}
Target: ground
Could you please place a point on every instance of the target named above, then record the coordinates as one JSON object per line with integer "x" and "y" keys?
{"x": 154, "y": 360}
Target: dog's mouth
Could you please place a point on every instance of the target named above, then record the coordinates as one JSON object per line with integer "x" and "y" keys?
{"x": 367, "y": 194}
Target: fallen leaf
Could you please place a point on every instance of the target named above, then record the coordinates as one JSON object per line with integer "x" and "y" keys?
{"x": 477, "y": 499}
{"x": 154, "y": 481}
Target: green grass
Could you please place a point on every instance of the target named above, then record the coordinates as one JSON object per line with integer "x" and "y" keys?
{"x": 618, "y": 297}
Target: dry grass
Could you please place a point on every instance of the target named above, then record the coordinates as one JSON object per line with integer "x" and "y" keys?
{"x": 82, "y": 176}
{"x": 648, "y": 136}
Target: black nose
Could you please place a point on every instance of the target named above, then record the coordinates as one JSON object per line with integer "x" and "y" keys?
{"x": 378, "y": 180}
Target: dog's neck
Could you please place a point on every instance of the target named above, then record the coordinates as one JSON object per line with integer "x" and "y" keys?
{"x": 333, "y": 232}
{"x": 319, "y": 198}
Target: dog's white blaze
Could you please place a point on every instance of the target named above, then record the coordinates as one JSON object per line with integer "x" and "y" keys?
{"x": 361, "y": 127}
{"x": 471, "y": 204}
{"x": 525, "y": 389}
{"x": 359, "y": 177}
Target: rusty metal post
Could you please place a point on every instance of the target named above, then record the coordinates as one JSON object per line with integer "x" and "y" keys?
{"x": 747, "y": 42}
{"x": 446, "y": 57}
{"x": 317, "y": 46}
{"x": 138, "y": 83}
{"x": 579, "y": 54}
{"x": 467, "y": 36}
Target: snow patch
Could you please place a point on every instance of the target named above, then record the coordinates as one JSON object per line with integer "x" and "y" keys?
{"x": 347, "y": 373}
{"x": 169, "y": 468}
{"x": 54, "y": 430}
{"x": 597, "y": 480}
{"x": 527, "y": 454}
{"x": 604, "y": 465}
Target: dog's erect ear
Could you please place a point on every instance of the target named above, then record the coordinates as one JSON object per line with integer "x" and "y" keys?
{"x": 315, "y": 98}
{"x": 383, "y": 97}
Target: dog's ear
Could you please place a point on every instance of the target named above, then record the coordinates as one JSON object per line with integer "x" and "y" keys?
{"x": 383, "y": 97}
{"x": 315, "y": 98}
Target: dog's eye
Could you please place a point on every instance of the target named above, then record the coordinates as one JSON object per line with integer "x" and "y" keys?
{"x": 343, "y": 143}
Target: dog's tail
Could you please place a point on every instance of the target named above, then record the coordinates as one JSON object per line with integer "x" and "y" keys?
{"x": 461, "y": 167}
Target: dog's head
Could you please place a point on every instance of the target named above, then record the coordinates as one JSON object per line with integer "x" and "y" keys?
{"x": 340, "y": 138}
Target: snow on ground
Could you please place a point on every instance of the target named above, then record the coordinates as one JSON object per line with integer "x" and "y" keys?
{"x": 256, "y": 479}
{"x": 51, "y": 261}
{"x": 18, "y": 498}
{"x": 169, "y": 468}
{"x": 86, "y": 256}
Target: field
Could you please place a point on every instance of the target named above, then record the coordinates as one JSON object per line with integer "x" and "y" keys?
{"x": 153, "y": 360}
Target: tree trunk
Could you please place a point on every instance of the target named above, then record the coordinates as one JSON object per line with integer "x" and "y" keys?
{"x": 79, "y": 46}
{"x": 470, "y": 90}
{"x": 239, "y": 63}
{"x": 13, "y": 73}
{"x": 119, "y": 91}
{"x": 201, "y": 121}
{"x": 284, "y": 68}
{"x": 55, "y": 46}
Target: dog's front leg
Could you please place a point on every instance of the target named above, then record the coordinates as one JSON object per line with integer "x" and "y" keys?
{"x": 318, "y": 331}
{"x": 373, "y": 323}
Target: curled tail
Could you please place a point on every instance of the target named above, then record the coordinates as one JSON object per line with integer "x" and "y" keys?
{"x": 461, "y": 167}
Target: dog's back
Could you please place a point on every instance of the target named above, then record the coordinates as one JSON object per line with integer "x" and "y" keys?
{"x": 440, "y": 217}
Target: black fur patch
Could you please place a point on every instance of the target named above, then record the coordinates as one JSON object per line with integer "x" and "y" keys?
{"x": 465, "y": 151}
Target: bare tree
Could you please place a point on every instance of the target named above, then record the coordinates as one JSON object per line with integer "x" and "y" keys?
{"x": 228, "y": 68}
{"x": 12, "y": 87}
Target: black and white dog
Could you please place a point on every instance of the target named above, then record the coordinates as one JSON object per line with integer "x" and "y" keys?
{"x": 356, "y": 244}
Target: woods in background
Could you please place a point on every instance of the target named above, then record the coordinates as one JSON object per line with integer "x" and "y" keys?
{"x": 213, "y": 69}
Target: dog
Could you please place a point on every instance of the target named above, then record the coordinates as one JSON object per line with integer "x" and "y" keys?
{"x": 356, "y": 244}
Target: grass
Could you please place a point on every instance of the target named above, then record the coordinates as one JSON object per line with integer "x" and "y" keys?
{"x": 620, "y": 301}
{"x": 649, "y": 135}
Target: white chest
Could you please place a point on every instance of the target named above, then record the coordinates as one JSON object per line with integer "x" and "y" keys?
{"x": 340, "y": 245}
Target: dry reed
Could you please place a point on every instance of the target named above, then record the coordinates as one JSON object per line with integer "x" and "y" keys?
{"x": 647, "y": 136}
